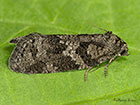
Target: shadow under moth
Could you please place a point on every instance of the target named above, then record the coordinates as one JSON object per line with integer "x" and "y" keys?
{"x": 36, "y": 53}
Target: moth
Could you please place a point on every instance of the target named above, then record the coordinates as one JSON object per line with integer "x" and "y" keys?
{"x": 37, "y": 53}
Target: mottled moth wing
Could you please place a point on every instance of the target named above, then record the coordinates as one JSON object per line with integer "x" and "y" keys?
{"x": 36, "y": 53}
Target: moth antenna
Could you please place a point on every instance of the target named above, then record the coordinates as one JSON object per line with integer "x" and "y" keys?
{"x": 98, "y": 27}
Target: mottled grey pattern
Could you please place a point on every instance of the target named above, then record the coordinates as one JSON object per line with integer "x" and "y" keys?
{"x": 36, "y": 53}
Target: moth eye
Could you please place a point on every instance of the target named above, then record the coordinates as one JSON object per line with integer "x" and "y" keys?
{"x": 123, "y": 52}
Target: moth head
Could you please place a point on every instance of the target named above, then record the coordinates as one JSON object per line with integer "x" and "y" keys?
{"x": 121, "y": 45}
{"x": 124, "y": 50}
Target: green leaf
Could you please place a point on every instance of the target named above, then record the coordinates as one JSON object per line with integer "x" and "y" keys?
{"x": 21, "y": 17}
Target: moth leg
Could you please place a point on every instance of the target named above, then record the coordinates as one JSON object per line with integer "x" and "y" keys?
{"x": 86, "y": 72}
{"x": 104, "y": 65}
{"x": 92, "y": 71}
{"x": 15, "y": 40}
{"x": 110, "y": 61}
{"x": 98, "y": 67}
{"x": 113, "y": 59}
